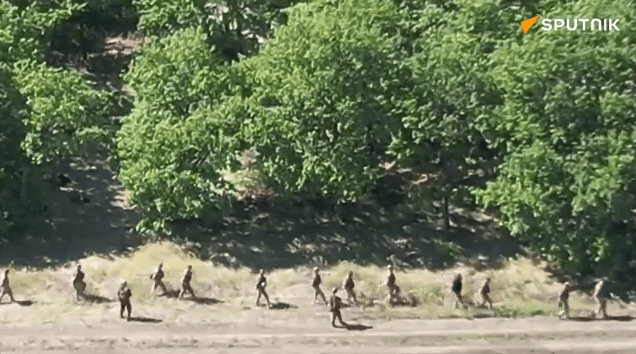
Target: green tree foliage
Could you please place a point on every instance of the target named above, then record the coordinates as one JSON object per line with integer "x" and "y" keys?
{"x": 47, "y": 113}
{"x": 235, "y": 27}
{"x": 567, "y": 185}
{"x": 322, "y": 111}
{"x": 174, "y": 144}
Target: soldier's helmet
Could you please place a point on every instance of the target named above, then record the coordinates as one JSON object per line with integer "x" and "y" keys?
{"x": 261, "y": 271}
{"x": 79, "y": 266}
{"x": 335, "y": 290}
{"x": 316, "y": 270}
{"x": 458, "y": 275}
{"x": 6, "y": 271}
{"x": 390, "y": 267}
{"x": 189, "y": 267}
{"x": 160, "y": 265}
{"x": 350, "y": 274}
{"x": 124, "y": 283}
{"x": 488, "y": 280}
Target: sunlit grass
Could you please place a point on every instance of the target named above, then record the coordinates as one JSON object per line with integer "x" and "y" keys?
{"x": 519, "y": 288}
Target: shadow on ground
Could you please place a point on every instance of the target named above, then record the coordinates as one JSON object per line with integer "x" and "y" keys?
{"x": 26, "y": 302}
{"x": 264, "y": 236}
{"x": 145, "y": 320}
{"x": 96, "y": 299}
{"x": 203, "y": 300}
{"x": 170, "y": 294}
{"x": 356, "y": 327}
{"x": 70, "y": 229}
{"x": 282, "y": 236}
{"x": 278, "y": 306}
{"x": 593, "y": 319}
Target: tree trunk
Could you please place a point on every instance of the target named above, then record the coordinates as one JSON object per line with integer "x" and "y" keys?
{"x": 445, "y": 213}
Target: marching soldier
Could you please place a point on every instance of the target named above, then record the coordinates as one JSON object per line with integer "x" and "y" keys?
{"x": 601, "y": 294}
{"x": 456, "y": 288}
{"x": 6, "y": 288}
{"x": 78, "y": 283}
{"x": 484, "y": 293}
{"x": 124, "y": 294}
{"x": 564, "y": 298}
{"x": 394, "y": 290}
{"x": 334, "y": 307}
{"x": 315, "y": 283}
{"x": 261, "y": 283}
{"x": 158, "y": 276}
{"x": 348, "y": 285}
{"x": 185, "y": 282}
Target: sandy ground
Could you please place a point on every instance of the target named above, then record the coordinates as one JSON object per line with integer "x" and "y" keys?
{"x": 274, "y": 334}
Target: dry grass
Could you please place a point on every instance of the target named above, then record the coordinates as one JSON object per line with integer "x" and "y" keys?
{"x": 520, "y": 288}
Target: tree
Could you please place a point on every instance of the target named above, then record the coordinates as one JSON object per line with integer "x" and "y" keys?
{"x": 567, "y": 184}
{"x": 236, "y": 28}
{"x": 177, "y": 140}
{"x": 444, "y": 131}
{"x": 48, "y": 114}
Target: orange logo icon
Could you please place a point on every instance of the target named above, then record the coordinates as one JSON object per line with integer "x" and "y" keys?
{"x": 526, "y": 24}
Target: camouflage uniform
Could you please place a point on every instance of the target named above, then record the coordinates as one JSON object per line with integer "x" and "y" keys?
{"x": 456, "y": 288}
{"x": 78, "y": 283}
{"x": 601, "y": 295}
{"x": 261, "y": 283}
{"x": 334, "y": 307}
{"x": 6, "y": 288}
{"x": 564, "y": 299}
{"x": 158, "y": 276}
{"x": 315, "y": 283}
{"x": 348, "y": 285}
{"x": 124, "y": 294}
{"x": 484, "y": 293}
{"x": 394, "y": 290}
{"x": 185, "y": 282}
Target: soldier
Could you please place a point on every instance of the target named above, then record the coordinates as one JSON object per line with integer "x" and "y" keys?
{"x": 261, "y": 283}
{"x": 348, "y": 285}
{"x": 334, "y": 307}
{"x": 78, "y": 283}
{"x": 484, "y": 293}
{"x": 601, "y": 294}
{"x": 315, "y": 283}
{"x": 6, "y": 288}
{"x": 124, "y": 294}
{"x": 564, "y": 297}
{"x": 185, "y": 282}
{"x": 394, "y": 290}
{"x": 457, "y": 290}
{"x": 158, "y": 276}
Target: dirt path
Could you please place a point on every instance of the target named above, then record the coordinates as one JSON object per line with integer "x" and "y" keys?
{"x": 535, "y": 335}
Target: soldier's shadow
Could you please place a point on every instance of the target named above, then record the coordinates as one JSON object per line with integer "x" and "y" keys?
{"x": 145, "y": 320}
{"x": 21, "y": 303}
{"x": 96, "y": 299}
{"x": 609, "y": 318}
{"x": 282, "y": 306}
{"x": 170, "y": 294}
{"x": 356, "y": 327}
{"x": 203, "y": 300}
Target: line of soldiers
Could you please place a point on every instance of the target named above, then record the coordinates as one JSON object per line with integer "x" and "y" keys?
{"x": 124, "y": 294}
{"x": 601, "y": 294}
